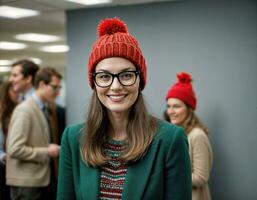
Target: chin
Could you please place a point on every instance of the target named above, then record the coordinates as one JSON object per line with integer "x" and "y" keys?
{"x": 118, "y": 109}
{"x": 174, "y": 122}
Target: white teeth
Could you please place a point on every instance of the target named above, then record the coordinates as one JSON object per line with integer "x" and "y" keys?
{"x": 116, "y": 98}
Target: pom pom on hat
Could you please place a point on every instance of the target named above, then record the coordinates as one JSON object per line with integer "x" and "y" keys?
{"x": 115, "y": 41}
{"x": 183, "y": 90}
{"x": 111, "y": 26}
{"x": 184, "y": 77}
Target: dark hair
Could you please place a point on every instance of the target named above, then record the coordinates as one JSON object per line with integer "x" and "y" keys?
{"x": 45, "y": 75}
{"x": 6, "y": 107}
{"x": 141, "y": 129}
{"x": 28, "y": 68}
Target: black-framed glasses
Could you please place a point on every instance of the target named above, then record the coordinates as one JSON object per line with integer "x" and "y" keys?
{"x": 56, "y": 87}
{"x": 105, "y": 79}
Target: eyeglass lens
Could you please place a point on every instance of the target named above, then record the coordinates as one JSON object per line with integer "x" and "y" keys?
{"x": 56, "y": 87}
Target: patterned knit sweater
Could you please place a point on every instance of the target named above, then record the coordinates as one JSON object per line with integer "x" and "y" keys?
{"x": 114, "y": 172}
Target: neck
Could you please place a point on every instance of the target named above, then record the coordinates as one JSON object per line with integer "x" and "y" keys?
{"x": 119, "y": 123}
{"x": 39, "y": 95}
{"x": 27, "y": 88}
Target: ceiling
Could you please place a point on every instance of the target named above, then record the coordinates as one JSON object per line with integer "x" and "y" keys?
{"x": 50, "y": 21}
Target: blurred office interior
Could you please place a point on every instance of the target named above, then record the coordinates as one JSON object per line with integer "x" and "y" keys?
{"x": 215, "y": 41}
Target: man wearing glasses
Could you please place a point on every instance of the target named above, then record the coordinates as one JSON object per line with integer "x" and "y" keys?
{"x": 30, "y": 146}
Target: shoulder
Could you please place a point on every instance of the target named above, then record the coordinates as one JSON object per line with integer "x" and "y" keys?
{"x": 197, "y": 133}
{"x": 26, "y": 105}
{"x": 73, "y": 132}
{"x": 169, "y": 133}
{"x": 198, "y": 136}
{"x": 170, "y": 143}
{"x": 75, "y": 128}
{"x": 26, "y": 109}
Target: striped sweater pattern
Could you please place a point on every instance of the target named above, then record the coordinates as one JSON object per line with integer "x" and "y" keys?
{"x": 114, "y": 172}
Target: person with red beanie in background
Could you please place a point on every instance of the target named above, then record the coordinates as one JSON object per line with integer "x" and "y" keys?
{"x": 181, "y": 104}
{"x": 121, "y": 151}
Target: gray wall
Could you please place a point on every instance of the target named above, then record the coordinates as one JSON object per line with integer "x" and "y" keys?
{"x": 216, "y": 41}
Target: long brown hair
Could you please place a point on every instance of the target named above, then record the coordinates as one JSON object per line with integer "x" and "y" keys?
{"x": 191, "y": 121}
{"x": 141, "y": 129}
{"x": 6, "y": 107}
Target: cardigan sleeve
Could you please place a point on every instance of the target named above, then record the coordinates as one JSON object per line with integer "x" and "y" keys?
{"x": 65, "y": 189}
{"x": 178, "y": 169}
{"x": 201, "y": 159}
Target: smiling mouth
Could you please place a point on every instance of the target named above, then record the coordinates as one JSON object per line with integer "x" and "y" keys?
{"x": 117, "y": 98}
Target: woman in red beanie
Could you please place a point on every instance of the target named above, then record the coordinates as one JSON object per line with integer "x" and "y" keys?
{"x": 121, "y": 151}
{"x": 181, "y": 103}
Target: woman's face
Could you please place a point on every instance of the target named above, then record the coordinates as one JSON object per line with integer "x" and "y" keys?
{"x": 117, "y": 98}
{"x": 176, "y": 110}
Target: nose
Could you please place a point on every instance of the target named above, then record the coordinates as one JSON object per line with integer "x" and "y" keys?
{"x": 115, "y": 84}
{"x": 170, "y": 111}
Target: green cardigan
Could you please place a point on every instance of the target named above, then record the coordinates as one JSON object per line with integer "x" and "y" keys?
{"x": 163, "y": 173}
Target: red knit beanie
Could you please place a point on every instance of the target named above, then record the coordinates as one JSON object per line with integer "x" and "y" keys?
{"x": 115, "y": 41}
{"x": 183, "y": 90}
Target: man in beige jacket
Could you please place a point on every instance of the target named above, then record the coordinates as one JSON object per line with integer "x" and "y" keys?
{"x": 29, "y": 141}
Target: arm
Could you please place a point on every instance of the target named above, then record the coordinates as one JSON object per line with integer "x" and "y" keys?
{"x": 18, "y": 137}
{"x": 201, "y": 160}
{"x": 65, "y": 189}
{"x": 178, "y": 167}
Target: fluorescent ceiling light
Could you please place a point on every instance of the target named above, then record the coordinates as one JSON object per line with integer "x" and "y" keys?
{"x": 12, "y": 45}
{"x": 15, "y": 13}
{"x": 5, "y": 62}
{"x": 55, "y": 48}
{"x": 37, "y": 37}
{"x": 90, "y": 2}
{"x": 5, "y": 69}
{"x": 36, "y": 60}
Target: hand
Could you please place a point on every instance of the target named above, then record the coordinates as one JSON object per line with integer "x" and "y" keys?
{"x": 53, "y": 150}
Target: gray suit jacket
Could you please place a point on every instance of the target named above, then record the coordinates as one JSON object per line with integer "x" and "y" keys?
{"x": 27, "y": 141}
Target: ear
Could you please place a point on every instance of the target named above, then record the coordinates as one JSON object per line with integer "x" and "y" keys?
{"x": 29, "y": 79}
{"x": 41, "y": 84}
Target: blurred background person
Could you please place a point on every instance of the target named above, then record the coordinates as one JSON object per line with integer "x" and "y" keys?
{"x": 181, "y": 104}
{"x": 8, "y": 101}
{"x": 30, "y": 143}
{"x": 22, "y": 77}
